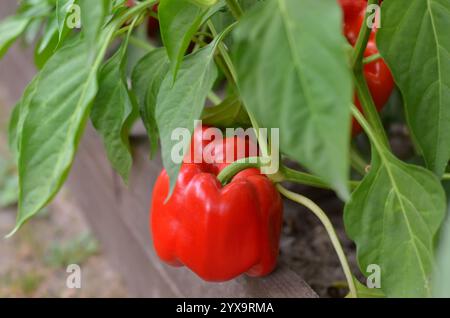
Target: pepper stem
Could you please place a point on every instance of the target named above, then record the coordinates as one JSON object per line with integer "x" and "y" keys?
{"x": 230, "y": 171}
{"x": 330, "y": 230}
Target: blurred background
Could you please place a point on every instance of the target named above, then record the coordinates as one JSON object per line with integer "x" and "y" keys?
{"x": 33, "y": 262}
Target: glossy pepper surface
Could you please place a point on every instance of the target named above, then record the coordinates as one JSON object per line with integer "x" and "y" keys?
{"x": 378, "y": 76}
{"x": 219, "y": 232}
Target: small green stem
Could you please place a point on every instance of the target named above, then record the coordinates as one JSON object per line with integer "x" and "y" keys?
{"x": 321, "y": 215}
{"x": 357, "y": 161}
{"x": 367, "y": 128}
{"x": 363, "y": 39}
{"x": 370, "y": 110}
{"x": 225, "y": 56}
{"x": 291, "y": 175}
{"x": 446, "y": 176}
{"x": 372, "y": 58}
{"x": 235, "y": 8}
{"x": 214, "y": 98}
{"x": 230, "y": 171}
{"x": 204, "y": 33}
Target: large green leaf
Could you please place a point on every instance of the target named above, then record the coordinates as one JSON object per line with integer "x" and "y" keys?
{"x": 180, "y": 103}
{"x": 10, "y": 29}
{"x": 52, "y": 117}
{"x": 19, "y": 114}
{"x": 229, "y": 113}
{"x": 393, "y": 217}
{"x": 294, "y": 75}
{"x": 179, "y": 21}
{"x": 113, "y": 110}
{"x": 147, "y": 77}
{"x": 93, "y": 14}
{"x": 415, "y": 43}
{"x": 52, "y": 127}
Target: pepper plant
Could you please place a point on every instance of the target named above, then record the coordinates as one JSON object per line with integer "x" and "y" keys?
{"x": 306, "y": 67}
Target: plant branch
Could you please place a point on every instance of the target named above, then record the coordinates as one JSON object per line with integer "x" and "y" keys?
{"x": 364, "y": 95}
{"x": 321, "y": 215}
{"x": 235, "y": 8}
{"x": 291, "y": 175}
{"x": 372, "y": 58}
{"x": 224, "y": 54}
{"x": 357, "y": 161}
{"x": 214, "y": 98}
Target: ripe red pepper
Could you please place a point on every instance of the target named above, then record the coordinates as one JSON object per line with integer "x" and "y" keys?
{"x": 219, "y": 232}
{"x": 377, "y": 73}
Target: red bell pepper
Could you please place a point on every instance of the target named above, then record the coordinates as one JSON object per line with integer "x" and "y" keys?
{"x": 219, "y": 232}
{"x": 378, "y": 76}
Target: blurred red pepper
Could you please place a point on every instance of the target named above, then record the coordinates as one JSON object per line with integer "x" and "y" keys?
{"x": 152, "y": 24}
{"x": 378, "y": 75}
{"x": 219, "y": 232}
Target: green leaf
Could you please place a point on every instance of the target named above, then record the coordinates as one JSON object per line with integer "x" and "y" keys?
{"x": 19, "y": 114}
{"x": 180, "y": 103}
{"x": 51, "y": 30}
{"x": 147, "y": 78}
{"x": 47, "y": 45}
{"x": 113, "y": 110}
{"x": 179, "y": 21}
{"x": 414, "y": 42}
{"x": 229, "y": 113}
{"x": 393, "y": 217}
{"x": 63, "y": 12}
{"x": 441, "y": 274}
{"x": 12, "y": 128}
{"x": 293, "y": 75}
{"x": 8, "y": 182}
{"x": 93, "y": 14}
{"x": 52, "y": 119}
{"x": 10, "y": 29}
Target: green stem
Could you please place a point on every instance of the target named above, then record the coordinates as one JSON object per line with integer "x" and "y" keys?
{"x": 372, "y": 58}
{"x": 214, "y": 98}
{"x": 230, "y": 171}
{"x": 364, "y": 95}
{"x": 225, "y": 56}
{"x": 363, "y": 39}
{"x": 235, "y": 8}
{"x": 368, "y": 129}
{"x": 357, "y": 161}
{"x": 446, "y": 176}
{"x": 291, "y": 175}
{"x": 321, "y": 215}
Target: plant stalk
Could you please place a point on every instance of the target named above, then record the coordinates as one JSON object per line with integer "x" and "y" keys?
{"x": 321, "y": 215}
